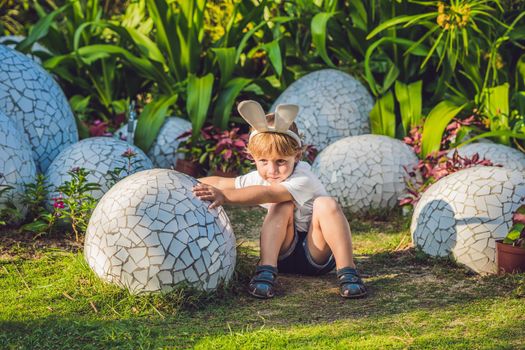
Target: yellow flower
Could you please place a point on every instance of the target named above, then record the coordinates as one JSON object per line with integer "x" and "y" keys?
{"x": 441, "y": 7}
{"x": 441, "y": 19}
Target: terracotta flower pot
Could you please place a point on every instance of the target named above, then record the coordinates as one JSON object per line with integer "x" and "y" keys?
{"x": 188, "y": 167}
{"x": 509, "y": 259}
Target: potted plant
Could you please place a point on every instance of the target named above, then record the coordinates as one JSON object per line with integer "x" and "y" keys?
{"x": 192, "y": 149}
{"x": 510, "y": 251}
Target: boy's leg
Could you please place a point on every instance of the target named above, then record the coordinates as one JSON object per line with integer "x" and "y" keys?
{"x": 329, "y": 233}
{"x": 277, "y": 235}
{"x": 277, "y": 232}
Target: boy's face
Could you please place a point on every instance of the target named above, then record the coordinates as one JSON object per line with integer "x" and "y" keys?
{"x": 275, "y": 168}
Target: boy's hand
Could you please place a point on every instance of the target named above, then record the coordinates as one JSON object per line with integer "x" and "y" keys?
{"x": 209, "y": 193}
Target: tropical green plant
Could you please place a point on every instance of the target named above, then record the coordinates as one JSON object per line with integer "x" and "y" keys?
{"x": 462, "y": 43}
{"x": 409, "y": 99}
{"x": 188, "y": 74}
{"x": 453, "y": 27}
{"x": 97, "y": 88}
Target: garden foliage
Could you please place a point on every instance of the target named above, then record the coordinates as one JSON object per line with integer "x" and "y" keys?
{"x": 426, "y": 62}
{"x": 70, "y": 209}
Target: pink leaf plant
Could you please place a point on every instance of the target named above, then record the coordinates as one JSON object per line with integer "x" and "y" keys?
{"x": 438, "y": 164}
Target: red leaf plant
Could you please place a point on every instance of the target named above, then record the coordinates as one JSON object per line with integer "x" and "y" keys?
{"x": 217, "y": 150}
{"x": 99, "y": 128}
{"x": 438, "y": 164}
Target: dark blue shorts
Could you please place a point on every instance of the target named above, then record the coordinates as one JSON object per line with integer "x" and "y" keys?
{"x": 298, "y": 259}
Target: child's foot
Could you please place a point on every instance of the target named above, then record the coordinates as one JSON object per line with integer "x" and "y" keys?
{"x": 261, "y": 285}
{"x": 351, "y": 284}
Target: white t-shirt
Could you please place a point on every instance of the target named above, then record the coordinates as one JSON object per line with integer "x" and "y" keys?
{"x": 302, "y": 184}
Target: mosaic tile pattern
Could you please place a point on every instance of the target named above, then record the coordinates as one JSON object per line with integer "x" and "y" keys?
{"x": 12, "y": 40}
{"x": 163, "y": 151}
{"x": 150, "y": 233}
{"x": 464, "y": 213}
{"x": 16, "y": 161}
{"x": 333, "y": 105}
{"x": 498, "y": 154}
{"x": 30, "y": 96}
{"x": 98, "y": 155}
{"x": 365, "y": 172}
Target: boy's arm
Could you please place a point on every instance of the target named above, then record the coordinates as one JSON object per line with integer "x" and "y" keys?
{"x": 253, "y": 195}
{"x": 222, "y": 183}
{"x": 250, "y": 195}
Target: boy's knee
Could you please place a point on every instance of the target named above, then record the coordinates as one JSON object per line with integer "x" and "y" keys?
{"x": 282, "y": 207}
{"x": 326, "y": 205}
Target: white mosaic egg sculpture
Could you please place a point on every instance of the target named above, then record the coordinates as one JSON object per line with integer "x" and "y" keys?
{"x": 163, "y": 151}
{"x": 365, "y": 172}
{"x": 30, "y": 96}
{"x": 100, "y": 156}
{"x": 12, "y": 40}
{"x": 150, "y": 233}
{"x": 506, "y": 156}
{"x": 17, "y": 167}
{"x": 465, "y": 212}
{"x": 333, "y": 105}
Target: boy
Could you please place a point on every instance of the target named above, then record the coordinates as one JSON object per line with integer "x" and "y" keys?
{"x": 304, "y": 231}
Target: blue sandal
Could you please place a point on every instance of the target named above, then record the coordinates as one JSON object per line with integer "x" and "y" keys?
{"x": 351, "y": 284}
{"x": 261, "y": 285}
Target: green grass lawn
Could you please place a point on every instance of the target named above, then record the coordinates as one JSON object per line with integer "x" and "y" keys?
{"x": 51, "y": 300}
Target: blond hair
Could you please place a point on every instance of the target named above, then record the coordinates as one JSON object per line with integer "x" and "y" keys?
{"x": 274, "y": 144}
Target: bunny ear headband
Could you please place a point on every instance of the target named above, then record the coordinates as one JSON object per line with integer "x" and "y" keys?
{"x": 253, "y": 113}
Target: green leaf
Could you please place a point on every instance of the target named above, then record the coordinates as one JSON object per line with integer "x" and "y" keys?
{"x": 497, "y": 133}
{"x": 435, "y": 125}
{"x": 382, "y": 116}
{"x": 198, "y": 101}
{"x": 37, "y": 226}
{"x": 514, "y": 233}
{"x": 418, "y": 51}
{"x": 520, "y": 102}
{"x": 226, "y": 58}
{"x": 56, "y": 61}
{"x": 319, "y": 32}
{"x": 398, "y": 20}
{"x": 274, "y": 53}
{"x": 358, "y": 14}
{"x": 390, "y": 77}
{"x": 496, "y": 100}
{"x": 249, "y": 34}
{"x": 151, "y": 120}
{"x": 410, "y": 100}
{"x": 169, "y": 36}
{"x": 146, "y": 46}
{"x": 520, "y": 68}
{"x": 143, "y": 66}
{"x": 40, "y": 29}
{"x": 79, "y": 103}
{"x": 223, "y": 107}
